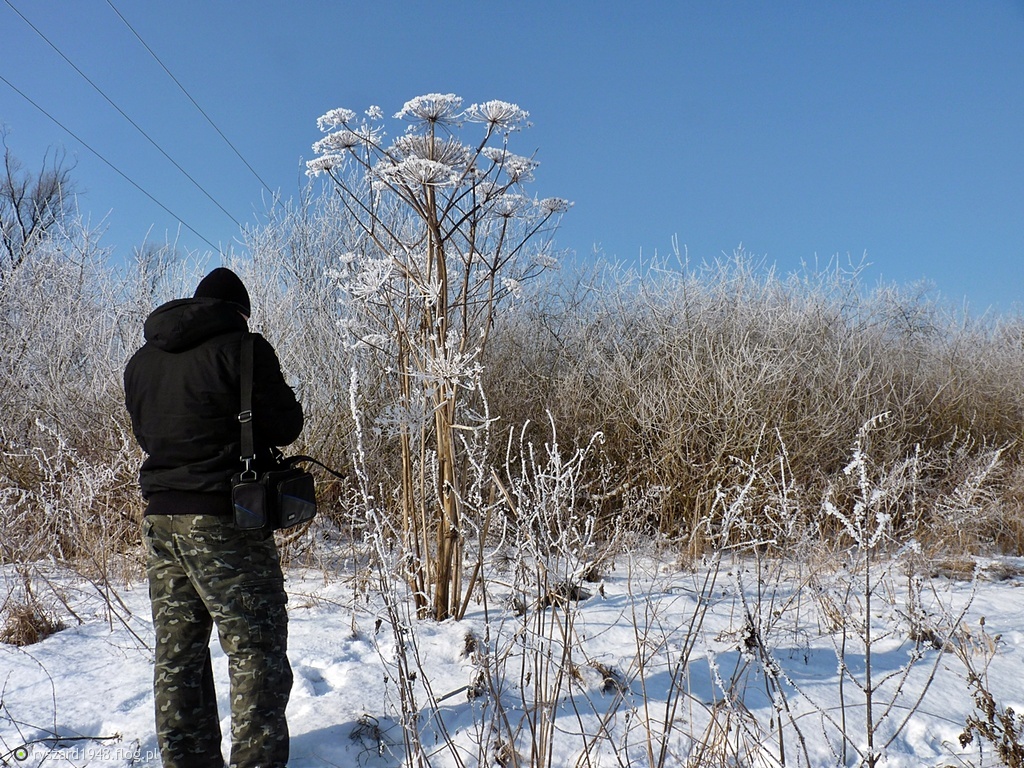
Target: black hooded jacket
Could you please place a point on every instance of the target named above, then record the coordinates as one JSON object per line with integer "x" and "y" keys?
{"x": 183, "y": 392}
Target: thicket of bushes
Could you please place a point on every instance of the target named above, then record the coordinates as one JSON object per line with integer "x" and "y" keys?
{"x": 693, "y": 375}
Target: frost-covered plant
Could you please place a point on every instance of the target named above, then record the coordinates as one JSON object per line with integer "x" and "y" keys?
{"x": 683, "y": 364}
{"x": 530, "y": 658}
{"x": 862, "y": 591}
{"x": 78, "y": 507}
{"x": 447, "y": 236}
{"x": 992, "y": 722}
{"x": 67, "y": 464}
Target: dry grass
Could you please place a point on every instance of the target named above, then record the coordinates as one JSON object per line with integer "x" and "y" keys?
{"x": 26, "y": 624}
{"x": 692, "y": 375}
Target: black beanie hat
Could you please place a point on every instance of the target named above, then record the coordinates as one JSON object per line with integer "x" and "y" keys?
{"x": 224, "y": 284}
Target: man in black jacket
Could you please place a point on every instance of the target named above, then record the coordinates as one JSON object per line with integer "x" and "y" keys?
{"x": 182, "y": 389}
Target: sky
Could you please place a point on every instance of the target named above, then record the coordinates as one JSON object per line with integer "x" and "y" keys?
{"x": 868, "y": 131}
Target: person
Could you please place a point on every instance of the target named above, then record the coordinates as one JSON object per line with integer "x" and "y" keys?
{"x": 183, "y": 393}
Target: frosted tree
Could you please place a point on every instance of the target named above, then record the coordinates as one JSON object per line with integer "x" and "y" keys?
{"x": 448, "y": 235}
{"x": 33, "y": 206}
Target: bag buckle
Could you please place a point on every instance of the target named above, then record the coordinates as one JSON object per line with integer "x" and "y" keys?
{"x": 244, "y": 417}
{"x": 248, "y": 474}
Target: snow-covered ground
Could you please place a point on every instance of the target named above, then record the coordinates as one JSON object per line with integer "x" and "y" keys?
{"x": 597, "y": 701}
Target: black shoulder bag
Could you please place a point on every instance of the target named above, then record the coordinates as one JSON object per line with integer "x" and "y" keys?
{"x": 280, "y": 498}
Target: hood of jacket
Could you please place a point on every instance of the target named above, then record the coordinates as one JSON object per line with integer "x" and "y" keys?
{"x": 184, "y": 323}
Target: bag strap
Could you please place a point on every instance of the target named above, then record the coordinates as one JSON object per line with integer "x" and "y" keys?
{"x": 245, "y": 419}
{"x": 302, "y": 458}
{"x": 245, "y": 415}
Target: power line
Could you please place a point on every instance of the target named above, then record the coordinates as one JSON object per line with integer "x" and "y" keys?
{"x": 189, "y": 96}
{"x": 114, "y": 167}
{"x": 124, "y": 115}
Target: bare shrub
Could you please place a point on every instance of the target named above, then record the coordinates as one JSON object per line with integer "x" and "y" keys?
{"x": 25, "y": 618}
{"x": 34, "y": 206}
{"x": 67, "y": 468}
{"x": 684, "y": 367}
{"x": 26, "y": 624}
{"x": 992, "y": 722}
{"x": 681, "y": 368}
{"x": 61, "y": 357}
{"x": 79, "y": 507}
{"x": 1004, "y": 515}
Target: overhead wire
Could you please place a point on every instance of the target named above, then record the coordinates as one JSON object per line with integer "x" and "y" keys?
{"x": 189, "y": 97}
{"x": 110, "y": 164}
{"x": 124, "y": 115}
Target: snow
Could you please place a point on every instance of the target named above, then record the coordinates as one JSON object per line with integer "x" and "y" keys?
{"x": 89, "y": 684}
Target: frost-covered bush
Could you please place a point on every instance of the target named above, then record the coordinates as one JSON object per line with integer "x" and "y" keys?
{"x": 690, "y": 370}
{"x": 66, "y": 465}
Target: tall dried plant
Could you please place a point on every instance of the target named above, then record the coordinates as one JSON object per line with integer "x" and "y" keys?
{"x": 447, "y": 236}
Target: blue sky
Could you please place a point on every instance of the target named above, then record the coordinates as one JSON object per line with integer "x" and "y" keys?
{"x": 887, "y": 130}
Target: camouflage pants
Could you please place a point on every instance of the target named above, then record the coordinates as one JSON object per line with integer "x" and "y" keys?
{"x": 204, "y": 571}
